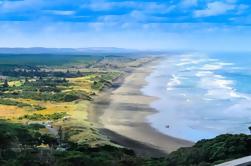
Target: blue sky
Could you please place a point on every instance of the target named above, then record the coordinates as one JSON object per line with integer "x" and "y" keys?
{"x": 142, "y": 24}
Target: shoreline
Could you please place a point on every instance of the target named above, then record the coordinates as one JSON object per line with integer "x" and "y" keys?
{"x": 120, "y": 113}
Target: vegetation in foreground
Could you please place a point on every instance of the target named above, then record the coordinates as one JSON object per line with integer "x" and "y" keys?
{"x": 27, "y": 145}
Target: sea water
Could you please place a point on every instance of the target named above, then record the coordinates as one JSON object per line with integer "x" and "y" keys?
{"x": 201, "y": 95}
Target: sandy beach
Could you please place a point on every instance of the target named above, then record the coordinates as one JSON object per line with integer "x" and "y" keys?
{"x": 120, "y": 114}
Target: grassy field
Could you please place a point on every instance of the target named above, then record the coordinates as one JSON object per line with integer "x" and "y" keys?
{"x": 58, "y": 89}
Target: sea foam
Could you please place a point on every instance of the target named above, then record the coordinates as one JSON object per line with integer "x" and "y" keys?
{"x": 198, "y": 97}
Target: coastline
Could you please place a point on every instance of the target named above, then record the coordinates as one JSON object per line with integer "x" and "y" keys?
{"x": 120, "y": 113}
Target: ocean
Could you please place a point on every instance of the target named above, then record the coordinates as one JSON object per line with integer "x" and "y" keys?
{"x": 201, "y": 95}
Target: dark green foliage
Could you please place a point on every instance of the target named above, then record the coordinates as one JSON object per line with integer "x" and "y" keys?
{"x": 35, "y": 126}
{"x": 20, "y": 104}
{"x": 70, "y": 97}
{"x": 26, "y": 157}
{"x": 22, "y": 72}
{"x": 15, "y": 134}
{"x": 101, "y": 156}
{"x": 5, "y": 83}
{"x": 13, "y": 103}
{"x": 54, "y": 116}
{"x": 18, "y": 145}
{"x": 38, "y": 107}
{"x": 10, "y": 60}
{"x": 46, "y": 96}
{"x": 203, "y": 153}
{"x": 222, "y": 148}
{"x": 104, "y": 80}
{"x": 44, "y": 89}
{"x": 48, "y": 139}
{"x": 43, "y": 85}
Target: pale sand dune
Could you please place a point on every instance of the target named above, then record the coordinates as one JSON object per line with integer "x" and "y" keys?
{"x": 123, "y": 112}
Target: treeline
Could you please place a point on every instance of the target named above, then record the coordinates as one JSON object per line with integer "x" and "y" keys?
{"x": 41, "y": 73}
{"x": 20, "y": 104}
{"x": 44, "y": 85}
{"x": 35, "y": 116}
{"x": 52, "y": 89}
{"x": 18, "y": 71}
{"x": 213, "y": 151}
{"x": 48, "y": 96}
{"x": 45, "y": 89}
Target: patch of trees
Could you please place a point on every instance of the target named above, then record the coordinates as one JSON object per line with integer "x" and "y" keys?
{"x": 100, "y": 156}
{"x": 35, "y": 116}
{"x": 104, "y": 80}
{"x": 46, "y": 96}
{"x": 18, "y": 144}
{"x": 4, "y": 86}
{"x": 7, "y": 67}
{"x": 13, "y": 103}
{"x": 43, "y": 85}
{"x": 40, "y": 73}
{"x": 19, "y": 136}
{"x": 43, "y": 89}
{"x": 20, "y": 104}
{"x": 213, "y": 151}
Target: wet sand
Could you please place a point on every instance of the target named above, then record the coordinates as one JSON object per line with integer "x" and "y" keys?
{"x": 120, "y": 112}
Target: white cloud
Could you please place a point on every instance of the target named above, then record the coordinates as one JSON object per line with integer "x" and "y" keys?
{"x": 135, "y": 16}
{"x": 231, "y": 1}
{"x": 214, "y": 9}
{"x": 151, "y": 7}
{"x": 100, "y": 5}
{"x": 10, "y": 6}
{"x": 61, "y": 12}
{"x": 189, "y": 3}
{"x": 242, "y": 8}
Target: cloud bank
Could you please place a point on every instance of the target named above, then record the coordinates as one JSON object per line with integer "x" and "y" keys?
{"x": 159, "y": 24}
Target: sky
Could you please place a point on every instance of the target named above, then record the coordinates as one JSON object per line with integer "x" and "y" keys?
{"x": 139, "y": 24}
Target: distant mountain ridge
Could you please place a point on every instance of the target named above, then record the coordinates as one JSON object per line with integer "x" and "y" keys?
{"x": 42, "y": 50}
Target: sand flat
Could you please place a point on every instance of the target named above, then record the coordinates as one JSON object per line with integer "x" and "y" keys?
{"x": 123, "y": 111}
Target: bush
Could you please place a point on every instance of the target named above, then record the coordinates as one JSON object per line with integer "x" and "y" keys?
{"x": 36, "y": 126}
{"x": 70, "y": 97}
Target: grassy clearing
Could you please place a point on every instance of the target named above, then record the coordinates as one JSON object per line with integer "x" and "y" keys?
{"x": 16, "y": 83}
{"x": 83, "y": 84}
